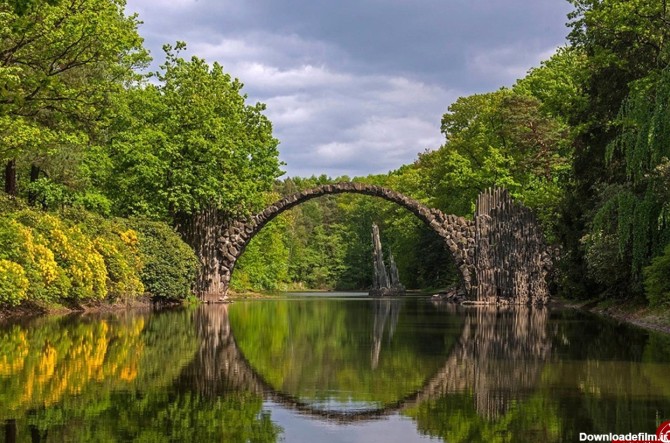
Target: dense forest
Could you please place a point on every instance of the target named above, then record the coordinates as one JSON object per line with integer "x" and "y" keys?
{"x": 110, "y": 170}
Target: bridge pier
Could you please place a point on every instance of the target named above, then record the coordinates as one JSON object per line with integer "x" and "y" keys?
{"x": 511, "y": 261}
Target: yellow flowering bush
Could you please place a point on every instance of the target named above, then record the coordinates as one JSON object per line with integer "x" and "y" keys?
{"x": 13, "y": 282}
{"x": 48, "y": 280}
{"x": 123, "y": 266}
{"x": 76, "y": 254}
{"x": 130, "y": 238}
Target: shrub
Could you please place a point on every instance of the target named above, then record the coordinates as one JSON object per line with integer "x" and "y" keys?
{"x": 170, "y": 265}
{"x": 656, "y": 281}
{"x": 13, "y": 283}
{"x": 123, "y": 267}
{"x": 48, "y": 280}
{"x": 81, "y": 255}
{"x": 118, "y": 246}
{"x": 49, "y": 194}
{"x": 74, "y": 252}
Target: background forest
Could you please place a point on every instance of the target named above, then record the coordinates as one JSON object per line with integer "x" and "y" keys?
{"x": 106, "y": 165}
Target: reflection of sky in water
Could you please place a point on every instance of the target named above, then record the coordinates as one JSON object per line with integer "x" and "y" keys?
{"x": 333, "y": 404}
{"x": 299, "y": 429}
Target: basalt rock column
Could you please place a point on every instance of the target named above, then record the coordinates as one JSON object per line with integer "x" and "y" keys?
{"x": 381, "y": 279}
{"x": 386, "y": 280}
{"x": 511, "y": 260}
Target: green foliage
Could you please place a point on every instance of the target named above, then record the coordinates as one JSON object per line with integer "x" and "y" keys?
{"x": 63, "y": 62}
{"x": 624, "y": 46}
{"x": 190, "y": 142}
{"x": 169, "y": 264}
{"x": 48, "y": 194}
{"x": 264, "y": 264}
{"x": 635, "y": 210}
{"x": 558, "y": 83}
{"x": 656, "y": 281}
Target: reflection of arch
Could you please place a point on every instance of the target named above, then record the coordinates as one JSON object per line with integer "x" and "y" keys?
{"x": 457, "y": 232}
{"x": 490, "y": 337}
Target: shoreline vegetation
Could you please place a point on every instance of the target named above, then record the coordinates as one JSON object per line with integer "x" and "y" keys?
{"x": 636, "y": 314}
{"x": 118, "y": 180}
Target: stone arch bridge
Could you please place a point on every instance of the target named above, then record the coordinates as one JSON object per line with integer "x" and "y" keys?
{"x": 500, "y": 254}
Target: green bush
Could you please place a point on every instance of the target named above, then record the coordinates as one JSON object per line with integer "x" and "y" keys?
{"x": 657, "y": 280}
{"x": 170, "y": 265}
{"x": 13, "y": 283}
{"x": 49, "y": 194}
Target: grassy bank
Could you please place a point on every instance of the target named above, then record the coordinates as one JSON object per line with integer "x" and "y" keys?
{"x": 639, "y": 314}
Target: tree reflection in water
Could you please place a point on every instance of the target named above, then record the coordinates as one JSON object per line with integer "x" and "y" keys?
{"x": 498, "y": 374}
{"x": 499, "y": 357}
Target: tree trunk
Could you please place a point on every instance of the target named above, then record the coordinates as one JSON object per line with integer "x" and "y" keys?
{"x": 201, "y": 231}
{"x": 10, "y": 178}
{"x": 34, "y": 175}
{"x": 10, "y": 431}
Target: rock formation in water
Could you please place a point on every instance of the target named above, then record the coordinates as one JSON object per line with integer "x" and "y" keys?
{"x": 386, "y": 280}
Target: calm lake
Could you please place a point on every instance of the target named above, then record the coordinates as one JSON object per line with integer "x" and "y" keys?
{"x": 334, "y": 367}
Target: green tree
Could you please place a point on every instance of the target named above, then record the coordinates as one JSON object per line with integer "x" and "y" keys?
{"x": 60, "y": 61}
{"x": 193, "y": 153}
{"x": 634, "y": 211}
{"x": 623, "y": 43}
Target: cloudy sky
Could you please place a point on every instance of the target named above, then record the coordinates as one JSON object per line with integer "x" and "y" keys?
{"x": 358, "y": 87}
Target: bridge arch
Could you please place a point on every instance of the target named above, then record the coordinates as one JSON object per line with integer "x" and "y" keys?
{"x": 458, "y": 233}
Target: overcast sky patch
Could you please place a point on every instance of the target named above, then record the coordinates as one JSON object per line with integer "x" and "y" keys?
{"x": 357, "y": 87}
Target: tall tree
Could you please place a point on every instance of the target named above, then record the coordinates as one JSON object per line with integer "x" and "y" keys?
{"x": 60, "y": 61}
{"x": 193, "y": 153}
{"x": 625, "y": 49}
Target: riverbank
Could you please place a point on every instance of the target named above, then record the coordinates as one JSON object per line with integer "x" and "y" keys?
{"x": 636, "y": 314}
{"x": 36, "y": 309}
{"x": 657, "y": 319}
{"x": 30, "y": 309}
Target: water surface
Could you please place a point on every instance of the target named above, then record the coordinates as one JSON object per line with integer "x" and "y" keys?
{"x": 331, "y": 367}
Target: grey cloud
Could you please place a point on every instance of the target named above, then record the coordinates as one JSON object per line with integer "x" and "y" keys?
{"x": 357, "y": 87}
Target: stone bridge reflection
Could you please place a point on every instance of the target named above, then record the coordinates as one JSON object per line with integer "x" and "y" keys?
{"x": 498, "y": 358}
